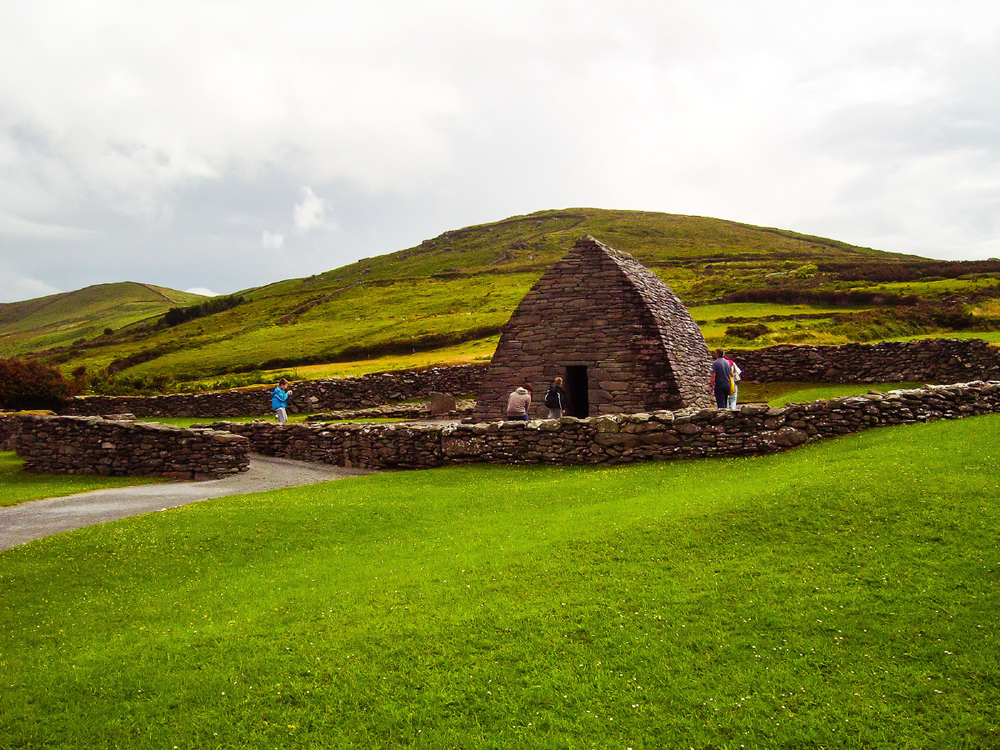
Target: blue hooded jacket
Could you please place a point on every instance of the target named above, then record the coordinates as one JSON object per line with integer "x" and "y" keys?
{"x": 279, "y": 399}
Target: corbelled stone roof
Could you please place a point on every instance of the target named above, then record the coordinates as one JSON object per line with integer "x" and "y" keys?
{"x": 601, "y": 309}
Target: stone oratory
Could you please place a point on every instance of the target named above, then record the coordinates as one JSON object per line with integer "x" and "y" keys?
{"x": 618, "y": 336}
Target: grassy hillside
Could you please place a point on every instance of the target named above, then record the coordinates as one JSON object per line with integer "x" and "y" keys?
{"x": 453, "y": 293}
{"x": 60, "y": 319}
{"x": 843, "y": 595}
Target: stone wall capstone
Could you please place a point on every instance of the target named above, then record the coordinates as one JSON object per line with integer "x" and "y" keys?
{"x": 92, "y": 445}
{"x": 752, "y": 429}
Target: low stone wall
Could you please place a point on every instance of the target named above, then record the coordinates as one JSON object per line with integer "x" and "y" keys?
{"x": 750, "y": 430}
{"x": 309, "y": 396}
{"x": 8, "y": 426}
{"x": 922, "y": 360}
{"x": 91, "y": 445}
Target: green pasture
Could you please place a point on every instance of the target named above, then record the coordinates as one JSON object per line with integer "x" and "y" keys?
{"x": 458, "y": 287}
{"x": 842, "y": 595}
{"x": 18, "y": 486}
{"x": 357, "y": 324}
{"x": 782, "y": 331}
{"x": 990, "y": 336}
{"x": 60, "y": 319}
{"x": 938, "y": 287}
{"x": 478, "y": 350}
{"x": 780, "y": 394}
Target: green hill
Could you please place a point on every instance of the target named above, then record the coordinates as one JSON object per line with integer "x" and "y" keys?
{"x": 449, "y": 296}
{"x": 60, "y": 319}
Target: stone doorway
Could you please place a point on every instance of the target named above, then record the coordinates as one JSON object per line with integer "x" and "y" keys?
{"x": 577, "y": 391}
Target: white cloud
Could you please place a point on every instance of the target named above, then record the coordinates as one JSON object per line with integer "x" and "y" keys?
{"x": 202, "y": 291}
{"x": 311, "y": 213}
{"x": 23, "y": 288}
{"x": 16, "y": 226}
{"x": 272, "y": 241}
{"x": 877, "y": 123}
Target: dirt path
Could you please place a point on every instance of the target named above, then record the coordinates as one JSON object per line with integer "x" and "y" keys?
{"x": 23, "y": 523}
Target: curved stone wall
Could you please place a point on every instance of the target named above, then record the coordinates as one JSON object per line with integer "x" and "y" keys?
{"x": 750, "y": 430}
{"x": 92, "y": 445}
{"x": 923, "y": 360}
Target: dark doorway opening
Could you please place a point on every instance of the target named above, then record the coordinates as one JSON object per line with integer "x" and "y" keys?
{"x": 577, "y": 391}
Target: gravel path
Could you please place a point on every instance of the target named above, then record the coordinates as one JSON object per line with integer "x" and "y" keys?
{"x": 23, "y": 523}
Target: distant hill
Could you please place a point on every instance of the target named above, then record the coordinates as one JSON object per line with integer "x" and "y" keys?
{"x": 60, "y": 319}
{"x": 452, "y": 293}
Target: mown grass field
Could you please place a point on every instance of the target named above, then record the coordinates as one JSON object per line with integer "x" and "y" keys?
{"x": 843, "y": 595}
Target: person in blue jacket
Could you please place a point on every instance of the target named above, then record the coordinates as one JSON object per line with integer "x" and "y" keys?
{"x": 279, "y": 401}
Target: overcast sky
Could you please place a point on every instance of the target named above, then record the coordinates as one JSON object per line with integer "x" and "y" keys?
{"x": 214, "y": 146}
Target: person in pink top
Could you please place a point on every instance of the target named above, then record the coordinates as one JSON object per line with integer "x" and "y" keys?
{"x": 731, "y": 401}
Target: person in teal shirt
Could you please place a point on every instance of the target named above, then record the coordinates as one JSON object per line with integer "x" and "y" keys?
{"x": 279, "y": 401}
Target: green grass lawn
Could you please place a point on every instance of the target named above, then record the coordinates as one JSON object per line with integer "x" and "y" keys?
{"x": 17, "y": 486}
{"x": 779, "y": 394}
{"x": 843, "y": 595}
{"x": 188, "y": 421}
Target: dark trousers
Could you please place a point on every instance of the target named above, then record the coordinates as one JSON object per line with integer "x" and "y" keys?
{"x": 722, "y": 396}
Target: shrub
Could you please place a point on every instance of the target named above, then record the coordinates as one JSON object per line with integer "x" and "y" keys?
{"x": 108, "y": 383}
{"x": 31, "y": 385}
{"x": 177, "y": 315}
{"x": 748, "y": 333}
{"x": 805, "y": 272}
{"x": 797, "y": 296}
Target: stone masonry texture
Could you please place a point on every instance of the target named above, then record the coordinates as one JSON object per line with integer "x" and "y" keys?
{"x": 600, "y": 309}
{"x": 92, "y": 445}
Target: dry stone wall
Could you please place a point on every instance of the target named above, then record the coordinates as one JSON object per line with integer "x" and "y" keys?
{"x": 8, "y": 426}
{"x": 92, "y": 445}
{"x": 927, "y": 360}
{"x": 614, "y": 439}
{"x": 923, "y": 360}
{"x": 309, "y": 396}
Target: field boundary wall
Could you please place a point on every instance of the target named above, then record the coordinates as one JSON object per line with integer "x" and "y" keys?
{"x": 309, "y": 396}
{"x": 923, "y": 360}
{"x": 753, "y": 429}
{"x": 93, "y": 445}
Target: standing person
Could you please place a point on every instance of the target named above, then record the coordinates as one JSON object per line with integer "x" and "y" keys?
{"x": 279, "y": 401}
{"x": 518, "y": 404}
{"x": 719, "y": 379}
{"x": 555, "y": 399}
{"x": 736, "y": 371}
